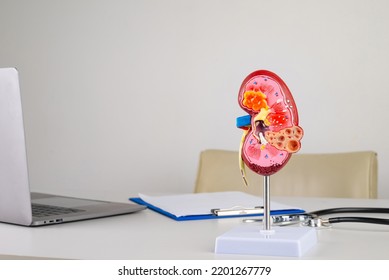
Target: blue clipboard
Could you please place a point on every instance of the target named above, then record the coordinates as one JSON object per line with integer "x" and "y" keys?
{"x": 140, "y": 201}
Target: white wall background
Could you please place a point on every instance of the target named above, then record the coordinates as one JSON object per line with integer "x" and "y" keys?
{"x": 121, "y": 96}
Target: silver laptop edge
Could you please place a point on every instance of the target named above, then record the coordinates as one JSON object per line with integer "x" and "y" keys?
{"x": 15, "y": 197}
{"x": 15, "y": 204}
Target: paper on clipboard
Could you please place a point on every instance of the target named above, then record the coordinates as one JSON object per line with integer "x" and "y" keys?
{"x": 200, "y": 205}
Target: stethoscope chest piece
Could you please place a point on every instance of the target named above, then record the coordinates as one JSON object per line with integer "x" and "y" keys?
{"x": 317, "y": 223}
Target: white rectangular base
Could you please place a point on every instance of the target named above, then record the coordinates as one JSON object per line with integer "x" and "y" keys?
{"x": 280, "y": 241}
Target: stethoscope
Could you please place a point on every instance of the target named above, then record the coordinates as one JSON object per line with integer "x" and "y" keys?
{"x": 315, "y": 219}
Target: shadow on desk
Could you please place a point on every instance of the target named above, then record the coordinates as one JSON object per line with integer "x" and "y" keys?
{"x": 13, "y": 257}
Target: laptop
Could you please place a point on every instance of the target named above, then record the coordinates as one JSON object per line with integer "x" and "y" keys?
{"x": 17, "y": 204}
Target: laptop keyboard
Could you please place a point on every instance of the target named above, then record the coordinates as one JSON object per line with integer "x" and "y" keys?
{"x": 40, "y": 210}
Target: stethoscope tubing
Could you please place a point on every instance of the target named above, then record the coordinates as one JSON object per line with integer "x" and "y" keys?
{"x": 376, "y": 210}
{"x": 367, "y": 220}
{"x": 365, "y": 210}
{"x": 309, "y": 217}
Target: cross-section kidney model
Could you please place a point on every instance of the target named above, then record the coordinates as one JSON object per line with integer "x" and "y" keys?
{"x": 271, "y": 130}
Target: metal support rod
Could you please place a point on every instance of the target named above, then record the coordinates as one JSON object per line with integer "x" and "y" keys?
{"x": 266, "y": 202}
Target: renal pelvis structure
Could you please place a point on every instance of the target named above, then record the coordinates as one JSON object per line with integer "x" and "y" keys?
{"x": 271, "y": 131}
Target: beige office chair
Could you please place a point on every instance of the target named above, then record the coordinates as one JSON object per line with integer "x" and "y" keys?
{"x": 351, "y": 175}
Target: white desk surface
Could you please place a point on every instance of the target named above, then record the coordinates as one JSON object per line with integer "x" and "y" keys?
{"x": 149, "y": 235}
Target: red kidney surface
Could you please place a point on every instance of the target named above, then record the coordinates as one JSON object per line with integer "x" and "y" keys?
{"x": 274, "y": 133}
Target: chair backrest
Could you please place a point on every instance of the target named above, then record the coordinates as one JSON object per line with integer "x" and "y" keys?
{"x": 348, "y": 175}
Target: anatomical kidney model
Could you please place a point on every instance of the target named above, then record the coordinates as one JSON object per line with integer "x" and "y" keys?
{"x": 271, "y": 131}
